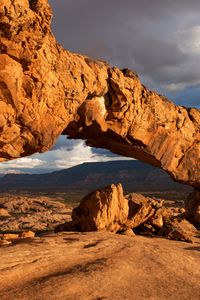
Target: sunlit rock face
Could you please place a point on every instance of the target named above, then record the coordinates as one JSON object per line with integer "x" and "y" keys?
{"x": 46, "y": 91}
{"x": 104, "y": 209}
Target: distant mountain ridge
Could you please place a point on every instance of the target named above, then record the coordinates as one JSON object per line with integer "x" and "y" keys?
{"x": 133, "y": 174}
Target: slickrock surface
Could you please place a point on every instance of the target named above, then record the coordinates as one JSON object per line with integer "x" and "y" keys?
{"x": 88, "y": 266}
{"x": 46, "y": 91}
{"x": 35, "y": 214}
{"x": 10, "y": 238}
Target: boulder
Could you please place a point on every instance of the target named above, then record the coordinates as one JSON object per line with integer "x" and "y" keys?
{"x": 140, "y": 210}
{"x": 179, "y": 229}
{"x": 5, "y": 243}
{"x": 128, "y": 232}
{"x": 10, "y": 236}
{"x": 67, "y": 226}
{"x": 103, "y": 209}
{"x": 4, "y": 213}
{"x": 192, "y": 207}
{"x": 108, "y": 209}
{"x": 157, "y": 219}
{"x": 145, "y": 229}
{"x": 27, "y": 234}
{"x": 182, "y": 231}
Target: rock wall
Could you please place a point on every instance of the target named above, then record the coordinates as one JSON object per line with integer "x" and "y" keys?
{"x": 46, "y": 91}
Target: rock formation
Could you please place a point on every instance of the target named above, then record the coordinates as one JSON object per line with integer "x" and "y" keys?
{"x": 140, "y": 210}
{"x": 46, "y": 91}
{"x": 107, "y": 209}
{"x": 9, "y": 238}
{"x": 39, "y": 214}
{"x": 193, "y": 207}
{"x": 99, "y": 265}
{"x": 104, "y": 209}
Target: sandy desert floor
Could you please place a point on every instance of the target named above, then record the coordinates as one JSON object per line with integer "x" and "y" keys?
{"x": 97, "y": 266}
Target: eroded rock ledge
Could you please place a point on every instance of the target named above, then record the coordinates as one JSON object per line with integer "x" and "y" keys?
{"x": 46, "y": 91}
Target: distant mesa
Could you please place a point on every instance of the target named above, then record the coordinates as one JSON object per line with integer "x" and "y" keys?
{"x": 134, "y": 175}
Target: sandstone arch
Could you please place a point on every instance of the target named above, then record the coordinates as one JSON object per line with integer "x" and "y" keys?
{"x": 46, "y": 91}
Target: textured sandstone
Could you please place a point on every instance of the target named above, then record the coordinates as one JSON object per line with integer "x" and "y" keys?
{"x": 10, "y": 236}
{"x": 32, "y": 213}
{"x": 193, "y": 207}
{"x": 5, "y": 243}
{"x": 27, "y": 234}
{"x": 157, "y": 219}
{"x": 104, "y": 209}
{"x": 107, "y": 209}
{"x": 4, "y": 213}
{"x": 99, "y": 265}
{"x": 128, "y": 232}
{"x": 181, "y": 230}
{"x": 46, "y": 91}
{"x": 140, "y": 210}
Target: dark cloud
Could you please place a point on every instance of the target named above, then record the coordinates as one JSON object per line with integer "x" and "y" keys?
{"x": 153, "y": 37}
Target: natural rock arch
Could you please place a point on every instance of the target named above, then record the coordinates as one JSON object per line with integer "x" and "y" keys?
{"x": 46, "y": 91}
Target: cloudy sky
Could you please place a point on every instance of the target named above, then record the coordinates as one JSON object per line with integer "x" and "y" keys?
{"x": 159, "y": 39}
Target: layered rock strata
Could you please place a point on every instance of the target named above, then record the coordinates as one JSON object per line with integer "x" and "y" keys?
{"x": 46, "y": 91}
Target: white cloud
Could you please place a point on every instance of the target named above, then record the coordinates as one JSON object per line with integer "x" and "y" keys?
{"x": 189, "y": 40}
{"x": 173, "y": 87}
{"x": 64, "y": 156}
{"x": 10, "y": 171}
{"x": 20, "y": 163}
{"x": 14, "y": 166}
